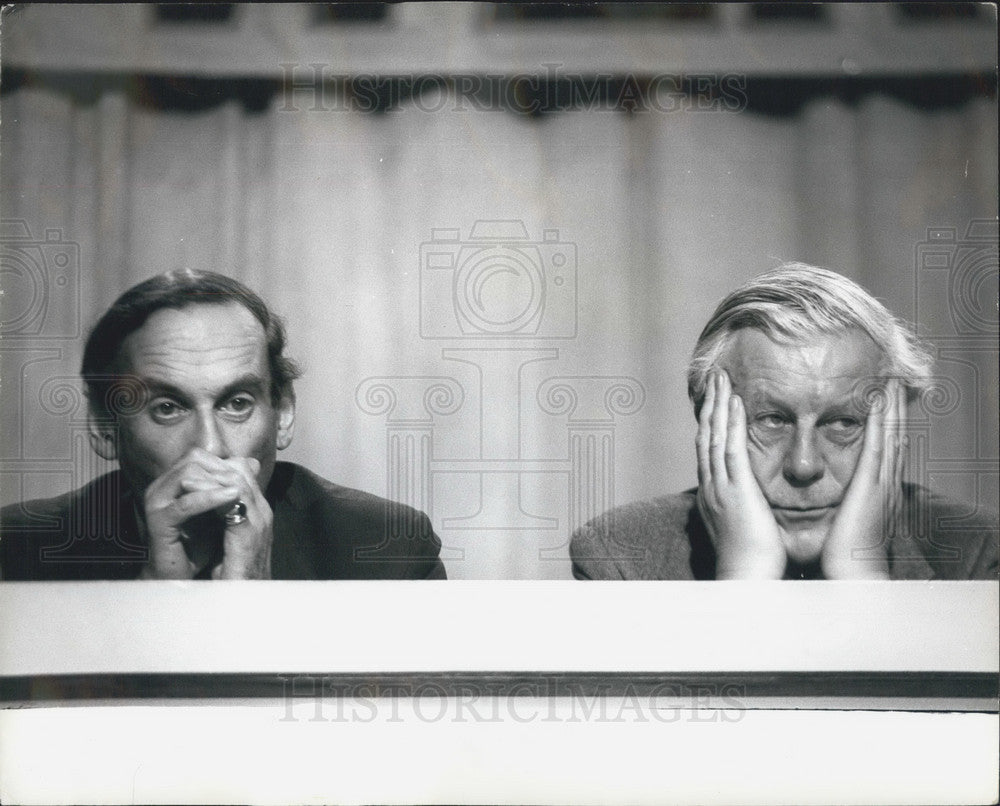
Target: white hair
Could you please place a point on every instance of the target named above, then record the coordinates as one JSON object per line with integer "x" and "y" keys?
{"x": 797, "y": 301}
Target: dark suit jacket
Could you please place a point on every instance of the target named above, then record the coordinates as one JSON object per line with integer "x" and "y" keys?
{"x": 665, "y": 538}
{"x": 321, "y": 531}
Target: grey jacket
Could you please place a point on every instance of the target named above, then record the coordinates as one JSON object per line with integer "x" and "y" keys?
{"x": 665, "y": 538}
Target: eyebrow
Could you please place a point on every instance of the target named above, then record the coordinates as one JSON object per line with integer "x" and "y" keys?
{"x": 840, "y": 404}
{"x": 764, "y": 398}
{"x": 251, "y": 382}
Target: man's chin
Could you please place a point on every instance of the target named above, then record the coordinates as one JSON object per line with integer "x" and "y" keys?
{"x": 804, "y": 531}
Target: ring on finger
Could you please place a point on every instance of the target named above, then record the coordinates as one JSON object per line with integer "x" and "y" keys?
{"x": 237, "y": 514}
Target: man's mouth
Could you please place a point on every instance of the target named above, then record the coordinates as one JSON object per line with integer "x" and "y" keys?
{"x": 799, "y": 514}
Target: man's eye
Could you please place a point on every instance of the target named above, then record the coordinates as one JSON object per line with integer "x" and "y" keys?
{"x": 843, "y": 430}
{"x": 241, "y": 405}
{"x": 165, "y": 410}
{"x": 843, "y": 424}
{"x": 770, "y": 420}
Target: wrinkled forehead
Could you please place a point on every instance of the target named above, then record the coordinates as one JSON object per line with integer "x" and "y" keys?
{"x": 200, "y": 337}
{"x": 820, "y": 364}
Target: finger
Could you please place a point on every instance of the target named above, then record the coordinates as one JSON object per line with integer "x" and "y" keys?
{"x": 891, "y": 405}
{"x": 705, "y": 433}
{"x": 209, "y": 461}
{"x": 720, "y": 428}
{"x": 198, "y": 460}
{"x": 899, "y": 465}
{"x": 199, "y": 469}
{"x": 190, "y": 472}
{"x": 901, "y": 409}
{"x": 198, "y": 463}
{"x": 891, "y": 434}
{"x": 899, "y": 469}
{"x": 257, "y": 514}
{"x": 176, "y": 481}
{"x": 737, "y": 456}
{"x": 891, "y": 453}
{"x": 888, "y": 432}
{"x": 196, "y": 483}
{"x": 255, "y": 511}
{"x": 190, "y": 484}
{"x": 247, "y": 469}
{"x": 195, "y": 503}
{"x": 898, "y": 499}
{"x": 901, "y": 436}
{"x": 872, "y": 448}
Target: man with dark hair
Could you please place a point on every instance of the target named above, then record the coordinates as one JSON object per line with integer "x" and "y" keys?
{"x": 190, "y": 391}
{"x": 800, "y": 383}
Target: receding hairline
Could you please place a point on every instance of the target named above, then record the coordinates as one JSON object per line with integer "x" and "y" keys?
{"x": 202, "y": 302}
{"x": 256, "y": 325}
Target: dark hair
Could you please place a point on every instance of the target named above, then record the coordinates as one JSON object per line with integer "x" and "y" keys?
{"x": 176, "y": 289}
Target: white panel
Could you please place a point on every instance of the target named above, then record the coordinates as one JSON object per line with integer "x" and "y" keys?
{"x": 527, "y": 751}
{"x": 125, "y": 627}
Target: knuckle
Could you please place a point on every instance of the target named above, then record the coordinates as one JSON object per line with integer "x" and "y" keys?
{"x": 236, "y": 463}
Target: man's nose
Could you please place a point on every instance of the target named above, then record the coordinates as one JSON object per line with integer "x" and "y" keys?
{"x": 804, "y": 461}
{"x": 209, "y": 437}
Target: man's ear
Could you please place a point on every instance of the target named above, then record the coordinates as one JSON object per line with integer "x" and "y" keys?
{"x": 286, "y": 420}
{"x": 103, "y": 433}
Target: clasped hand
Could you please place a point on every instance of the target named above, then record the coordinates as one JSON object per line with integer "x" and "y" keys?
{"x": 749, "y": 542}
{"x": 183, "y": 519}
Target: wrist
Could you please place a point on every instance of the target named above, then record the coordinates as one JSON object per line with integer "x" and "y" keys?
{"x": 166, "y": 565}
{"x": 151, "y": 572}
{"x": 750, "y": 566}
{"x": 235, "y": 567}
{"x": 856, "y": 570}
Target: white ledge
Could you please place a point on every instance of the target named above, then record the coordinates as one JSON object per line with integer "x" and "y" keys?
{"x": 338, "y": 627}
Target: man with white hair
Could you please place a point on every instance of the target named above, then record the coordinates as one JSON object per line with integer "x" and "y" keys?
{"x": 800, "y": 382}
